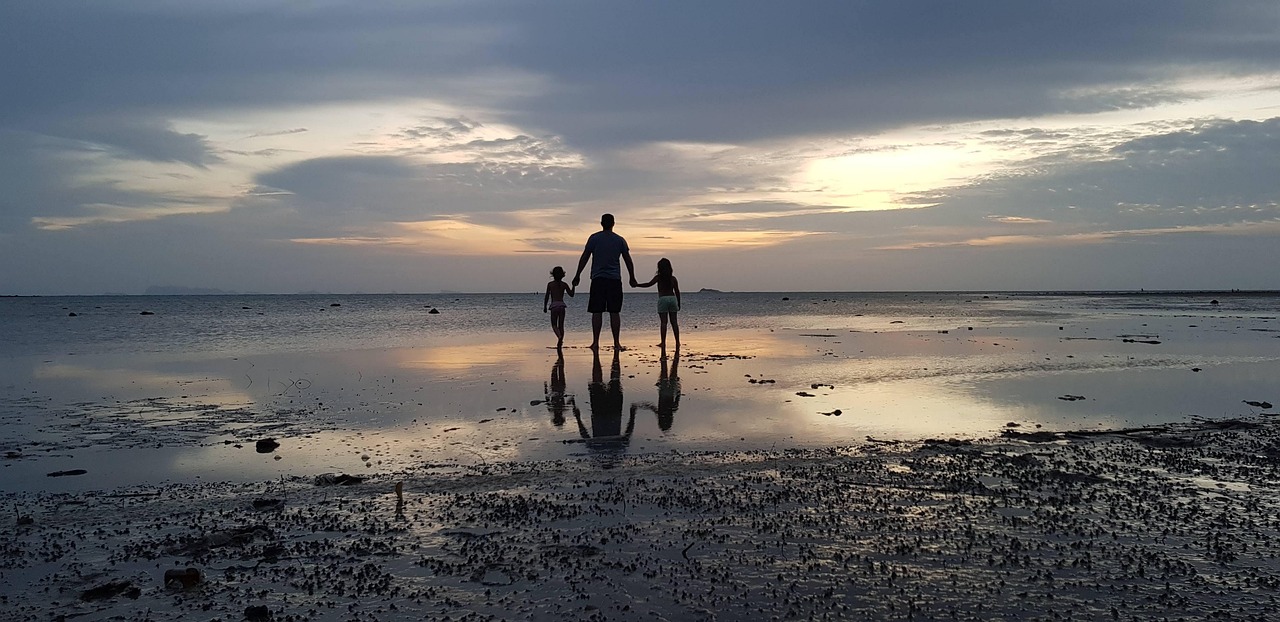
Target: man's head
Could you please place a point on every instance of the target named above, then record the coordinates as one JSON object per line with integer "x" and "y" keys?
{"x": 606, "y": 221}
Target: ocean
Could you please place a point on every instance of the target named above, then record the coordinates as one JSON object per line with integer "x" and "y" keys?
{"x": 139, "y": 389}
{"x": 245, "y": 324}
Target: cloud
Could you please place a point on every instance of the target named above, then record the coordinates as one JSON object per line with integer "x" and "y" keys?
{"x": 362, "y": 137}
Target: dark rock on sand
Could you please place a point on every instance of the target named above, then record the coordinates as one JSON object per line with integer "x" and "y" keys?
{"x": 332, "y": 479}
{"x": 72, "y": 314}
{"x": 266, "y": 445}
{"x": 147, "y": 313}
{"x": 66, "y": 473}
{"x": 111, "y": 590}
{"x": 433, "y": 311}
{"x": 1071, "y": 398}
{"x": 182, "y": 578}
{"x": 259, "y": 613}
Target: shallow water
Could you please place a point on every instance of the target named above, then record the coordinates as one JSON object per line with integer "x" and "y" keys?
{"x": 378, "y": 383}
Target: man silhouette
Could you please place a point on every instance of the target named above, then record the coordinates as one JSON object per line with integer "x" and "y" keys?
{"x": 605, "y": 248}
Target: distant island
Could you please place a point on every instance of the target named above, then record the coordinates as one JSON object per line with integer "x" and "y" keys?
{"x": 707, "y": 290}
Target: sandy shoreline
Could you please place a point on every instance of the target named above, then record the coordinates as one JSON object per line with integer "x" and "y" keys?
{"x": 1175, "y": 522}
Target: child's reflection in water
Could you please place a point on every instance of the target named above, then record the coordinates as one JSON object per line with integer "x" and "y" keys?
{"x": 558, "y": 402}
{"x": 668, "y": 393}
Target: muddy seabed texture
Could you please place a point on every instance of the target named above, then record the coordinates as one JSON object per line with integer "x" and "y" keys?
{"x": 1177, "y": 522}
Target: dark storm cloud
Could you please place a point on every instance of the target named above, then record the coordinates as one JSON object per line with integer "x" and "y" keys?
{"x": 132, "y": 140}
{"x": 44, "y": 176}
{"x": 712, "y": 71}
{"x": 631, "y": 71}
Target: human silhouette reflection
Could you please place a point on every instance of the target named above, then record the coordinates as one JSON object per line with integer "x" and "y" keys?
{"x": 558, "y": 402}
{"x": 606, "y": 433}
{"x": 668, "y": 393}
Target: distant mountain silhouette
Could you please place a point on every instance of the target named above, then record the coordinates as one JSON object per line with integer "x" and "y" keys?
{"x": 708, "y": 290}
{"x": 178, "y": 290}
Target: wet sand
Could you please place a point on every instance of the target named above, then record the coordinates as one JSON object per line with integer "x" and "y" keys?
{"x": 1171, "y": 522}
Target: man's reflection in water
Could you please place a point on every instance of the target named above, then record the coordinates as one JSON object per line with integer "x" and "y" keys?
{"x": 557, "y": 401}
{"x": 668, "y": 393}
{"x": 606, "y": 433}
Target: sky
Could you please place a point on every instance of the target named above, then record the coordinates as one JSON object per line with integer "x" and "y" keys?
{"x": 471, "y": 145}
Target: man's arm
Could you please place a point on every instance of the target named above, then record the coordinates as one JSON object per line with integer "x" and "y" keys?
{"x": 582, "y": 263}
{"x": 631, "y": 268}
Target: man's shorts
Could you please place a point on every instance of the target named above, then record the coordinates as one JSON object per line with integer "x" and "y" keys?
{"x": 606, "y": 295}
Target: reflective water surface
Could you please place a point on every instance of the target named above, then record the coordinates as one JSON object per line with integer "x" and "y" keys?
{"x": 184, "y": 394}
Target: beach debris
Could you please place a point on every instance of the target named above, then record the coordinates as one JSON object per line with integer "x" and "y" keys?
{"x": 1013, "y": 424}
{"x": 335, "y": 304}
{"x": 535, "y": 402}
{"x": 182, "y": 578}
{"x": 334, "y": 479}
{"x": 882, "y": 442}
{"x": 257, "y": 613}
{"x": 67, "y": 473}
{"x": 1150, "y": 341}
{"x": 762, "y": 381}
{"x": 433, "y": 311}
{"x": 1071, "y": 398}
{"x": 785, "y": 298}
{"x": 950, "y": 442}
{"x": 803, "y": 394}
{"x": 818, "y": 385}
{"x": 1257, "y": 404}
{"x": 834, "y": 413}
{"x": 111, "y": 589}
{"x": 400, "y": 494}
{"x": 1214, "y": 301}
{"x": 266, "y": 445}
{"x": 1195, "y": 369}
{"x": 72, "y": 314}
{"x": 261, "y": 504}
{"x": 147, "y": 313}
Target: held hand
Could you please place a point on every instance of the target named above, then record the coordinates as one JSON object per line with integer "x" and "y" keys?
{"x": 577, "y": 278}
{"x": 634, "y": 282}
{"x": 544, "y": 309}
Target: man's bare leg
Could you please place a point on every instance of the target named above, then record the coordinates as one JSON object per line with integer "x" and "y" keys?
{"x": 596, "y": 322}
{"x": 615, "y": 323}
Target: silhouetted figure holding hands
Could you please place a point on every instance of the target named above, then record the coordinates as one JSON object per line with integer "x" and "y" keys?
{"x": 554, "y": 297}
{"x": 605, "y": 248}
{"x": 668, "y": 299}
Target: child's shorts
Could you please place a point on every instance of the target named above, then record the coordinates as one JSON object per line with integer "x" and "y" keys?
{"x": 668, "y": 304}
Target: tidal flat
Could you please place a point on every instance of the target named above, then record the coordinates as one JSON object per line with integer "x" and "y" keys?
{"x": 1175, "y": 522}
